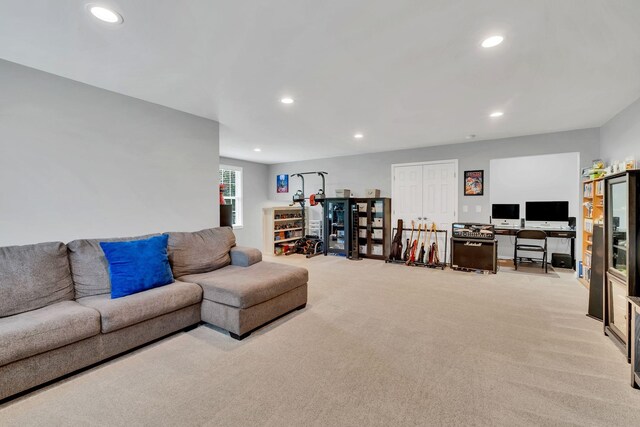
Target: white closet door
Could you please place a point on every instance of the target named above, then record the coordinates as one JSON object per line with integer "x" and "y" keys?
{"x": 440, "y": 194}
{"x": 407, "y": 194}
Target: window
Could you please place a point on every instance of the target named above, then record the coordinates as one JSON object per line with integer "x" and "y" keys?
{"x": 231, "y": 177}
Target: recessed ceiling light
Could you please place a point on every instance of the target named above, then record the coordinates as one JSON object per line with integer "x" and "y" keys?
{"x": 106, "y": 15}
{"x": 287, "y": 100}
{"x": 358, "y": 135}
{"x": 257, "y": 150}
{"x": 496, "y": 114}
{"x": 492, "y": 41}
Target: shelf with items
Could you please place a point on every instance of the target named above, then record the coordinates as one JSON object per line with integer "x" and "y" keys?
{"x": 290, "y": 239}
{"x": 282, "y": 226}
{"x": 592, "y": 214}
{"x": 287, "y": 229}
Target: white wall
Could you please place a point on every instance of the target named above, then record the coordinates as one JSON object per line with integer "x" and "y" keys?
{"x": 551, "y": 177}
{"x": 547, "y": 177}
{"x": 77, "y": 162}
{"x": 620, "y": 136}
{"x": 254, "y": 195}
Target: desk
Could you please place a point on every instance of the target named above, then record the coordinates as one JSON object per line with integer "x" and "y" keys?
{"x": 554, "y": 233}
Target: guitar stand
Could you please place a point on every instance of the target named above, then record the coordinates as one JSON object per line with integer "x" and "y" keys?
{"x": 441, "y": 265}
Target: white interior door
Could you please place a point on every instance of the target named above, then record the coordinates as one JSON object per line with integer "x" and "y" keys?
{"x": 407, "y": 194}
{"x": 440, "y": 194}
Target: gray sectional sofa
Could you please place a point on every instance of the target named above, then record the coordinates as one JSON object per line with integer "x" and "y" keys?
{"x": 57, "y": 316}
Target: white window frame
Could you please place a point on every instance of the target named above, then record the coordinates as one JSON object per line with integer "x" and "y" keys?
{"x": 238, "y": 196}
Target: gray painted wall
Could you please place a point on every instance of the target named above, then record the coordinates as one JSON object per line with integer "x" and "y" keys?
{"x": 374, "y": 170}
{"x": 358, "y": 173}
{"x": 620, "y": 136}
{"x": 78, "y": 161}
{"x": 255, "y": 197}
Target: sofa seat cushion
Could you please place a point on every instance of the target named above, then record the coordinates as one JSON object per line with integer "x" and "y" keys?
{"x": 34, "y": 332}
{"x": 244, "y": 287}
{"x": 126, "y": 311}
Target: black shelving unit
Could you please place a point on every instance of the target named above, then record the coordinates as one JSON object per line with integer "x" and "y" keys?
{"x": 621, "y": 272}
{"x": 374, "y": 220}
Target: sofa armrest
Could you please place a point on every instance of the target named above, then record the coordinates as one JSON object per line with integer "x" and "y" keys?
{"x": 244, "y": 256}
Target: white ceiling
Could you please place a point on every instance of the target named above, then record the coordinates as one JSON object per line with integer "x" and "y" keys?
{"x": 406, "y": 73}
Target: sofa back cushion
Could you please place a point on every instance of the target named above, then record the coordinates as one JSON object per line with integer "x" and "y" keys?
{"x": 33, "y": 276}
{"x": 200, "y": 251}
{"x": 89, "y": 266}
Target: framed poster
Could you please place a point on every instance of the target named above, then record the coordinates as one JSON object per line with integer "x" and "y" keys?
{"x": 282, "y": 183}
{"x": 474, "y": 183}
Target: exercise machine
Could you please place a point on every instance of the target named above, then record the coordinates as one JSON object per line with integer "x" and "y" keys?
{"x": 309, "y": 245}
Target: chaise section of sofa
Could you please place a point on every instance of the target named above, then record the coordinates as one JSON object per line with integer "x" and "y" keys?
{"x": 241, "y": 292}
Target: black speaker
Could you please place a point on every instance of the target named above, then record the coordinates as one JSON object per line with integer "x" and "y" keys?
{"x": 467, "y": 254}
{"x": 561, "y": 260}
{"x": 522, "y": 223}
{"x": 572, "y": 222}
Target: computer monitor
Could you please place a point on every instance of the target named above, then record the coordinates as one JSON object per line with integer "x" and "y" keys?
{"x": 547, "y": 214}
{"x": 505, "y": 214}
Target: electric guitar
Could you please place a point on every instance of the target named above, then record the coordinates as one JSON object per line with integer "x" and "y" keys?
{"x": 436, "y": 249}
{"x": 414, "y": 247}
{"x": 434, "y": 257}
{"x": 405, "y": 257}
{"x": 428, "y": 244}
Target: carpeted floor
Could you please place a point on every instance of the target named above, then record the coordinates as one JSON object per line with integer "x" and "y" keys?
{"x": 378, "y": 344}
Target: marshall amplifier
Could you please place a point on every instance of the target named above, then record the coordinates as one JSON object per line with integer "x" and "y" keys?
{"x": 474, "y": 254}
{"x": 472, "y": 231}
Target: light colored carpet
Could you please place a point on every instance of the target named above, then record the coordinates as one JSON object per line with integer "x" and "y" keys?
{"x": 378, "y": 344}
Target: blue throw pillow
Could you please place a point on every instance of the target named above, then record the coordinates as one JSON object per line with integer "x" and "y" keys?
{"x": 137, "y": 265}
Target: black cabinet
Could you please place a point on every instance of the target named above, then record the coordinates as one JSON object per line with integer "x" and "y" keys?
{"x": 337, "y": 226}
{"x": 621, "y": 255}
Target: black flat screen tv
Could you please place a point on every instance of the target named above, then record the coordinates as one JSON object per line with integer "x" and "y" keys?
{"x": 505, "y": 211}
{"x": 547, "y": 211}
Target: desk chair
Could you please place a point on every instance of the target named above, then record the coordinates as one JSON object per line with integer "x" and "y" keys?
{"x": 530, "y": 247}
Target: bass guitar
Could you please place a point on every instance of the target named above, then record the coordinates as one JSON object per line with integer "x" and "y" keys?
{"x": 421, "y": 254}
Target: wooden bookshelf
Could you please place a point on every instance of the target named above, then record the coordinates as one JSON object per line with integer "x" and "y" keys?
{"x": 592, "y": 213}
{"x": 282, "y": 227}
